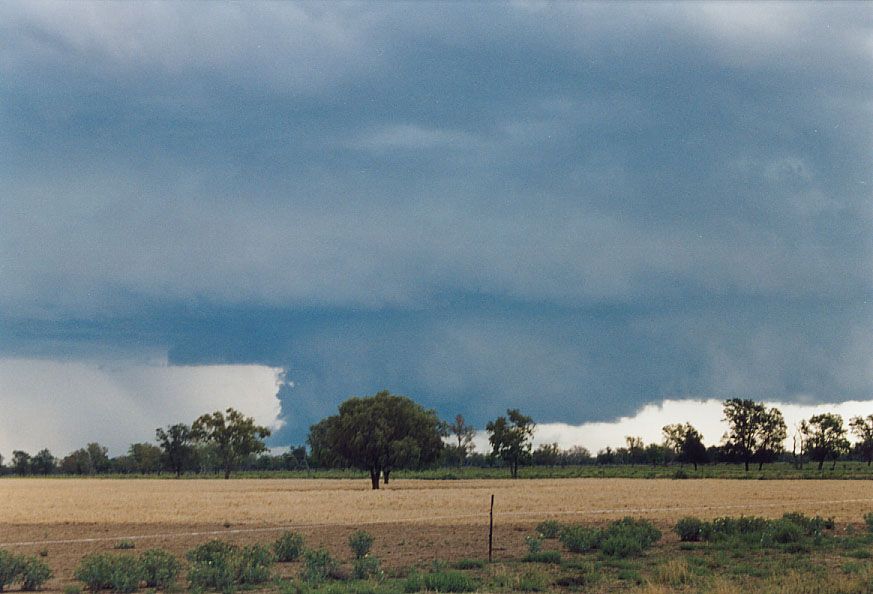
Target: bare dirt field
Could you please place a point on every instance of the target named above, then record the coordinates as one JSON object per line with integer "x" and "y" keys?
{"x": 413, "y": 521}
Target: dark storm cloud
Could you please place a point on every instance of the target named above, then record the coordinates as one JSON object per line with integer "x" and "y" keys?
{"x": 573, "y": 208}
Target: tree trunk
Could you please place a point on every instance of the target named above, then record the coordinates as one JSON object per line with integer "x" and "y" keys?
{"x": 374, "y": 478}
{"x": 385, "y": 474}
{"x": 834, "y": 465}
{"x": 760, "y": 466}
{"x": 747, "y": 465}
{"x": 695, "y": 466}
{"x": 820, "y": 464}
{"x": 226, "y": 472}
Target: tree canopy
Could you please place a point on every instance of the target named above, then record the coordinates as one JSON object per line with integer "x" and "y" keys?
{"x": 510, "y": 438}
{"x": 233, "y": 435}
{"x": 755, "y": 432}
{"x": 379, "y": 434}
{"x": 825, "y": 437}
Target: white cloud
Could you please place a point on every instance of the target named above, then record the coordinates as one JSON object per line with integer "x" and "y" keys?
{"x": 705, "y": 415}
{"x": 62, "y": 405}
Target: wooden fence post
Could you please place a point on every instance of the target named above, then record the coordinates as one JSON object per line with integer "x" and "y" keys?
{"x": 491, "y": 528}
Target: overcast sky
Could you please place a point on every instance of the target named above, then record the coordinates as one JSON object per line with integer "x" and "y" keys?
{"x": 577, "y": 209}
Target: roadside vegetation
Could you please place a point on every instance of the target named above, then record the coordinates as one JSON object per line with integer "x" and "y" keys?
{"x": 794, "y": 553}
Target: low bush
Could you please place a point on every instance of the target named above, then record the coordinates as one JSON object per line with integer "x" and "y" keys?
{"x": 578, "y": 539}
{"x": 159, "y": 568}
{"x": 34, "y": 573}
{"x": 449, "y": 581}
{"x": 534, "y": 544}
{"x": 868, "y": 519}
{"x": 212, "y": 566}
{"x": 318, "y": 565}
{"x": 414, "y": 582}
{"x": 288, "y": 547}
{"x": 252, "y": 564}
{"x": 95, "y": 571}
{"x": 125, "y": 545}
{"x": 628, "y": 538}
{"x": 365, "y": 568}
{"x": 360, "y": 542}
{"x": 125, "y": 574}
{"x": 549, "y": 529}
{"x": 781, "y": 532}
{"x": 10, "y": 568}
{"x": 689, "y": 529}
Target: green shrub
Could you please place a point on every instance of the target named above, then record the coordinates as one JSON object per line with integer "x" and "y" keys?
{"x": 578, "y": 539}
{"x": 868, "y": 519}
{"x": 125, "y": 545}
{"x": 366, "y": 567}
{"x": 414, "y": 582}
{"x": 252, "y": 564}
{"x": 288, "y": 547}
{"x": 628, "y": 537}
{"x": 534, "y": 544}
{"x": 810, "y": 525}
{"x": 726, "y": 527}
{"x": 95, "y": 571}
{"x": 34, "y": 573}
{"x": 72, "y": 590}
{"x": 159, "y": 568}
{"x": 10, "y": 568}
{"x": 543, "y": 557}
{"x": 549, "y": 529}
{"x": 449, "y": 581}
{"x": 212, "y": 566}
{"x": 360, "y": 542}
{"x": 689, "y": 529}
{"x": 318, "y": 565}
{"x": 781, "y": 532}
{"x": 680, "y": 474}
{"x": 126, "y": 574}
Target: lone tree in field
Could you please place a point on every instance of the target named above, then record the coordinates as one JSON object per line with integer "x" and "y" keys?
{"x": 510, "y": 438}
{"x": 379, "y": 434}
{"x": 176, "y": 446}
{"x": 463, "y": 433}
{"x": 825, "y": 438}
{"x": 686, "y": 444}
{"x": 233, "y": 435}
{"x": 755, "y": 433}
{"x": 862, "y": 427}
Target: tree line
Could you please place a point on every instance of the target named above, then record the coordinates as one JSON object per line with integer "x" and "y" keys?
{"x": 384, "y": 432}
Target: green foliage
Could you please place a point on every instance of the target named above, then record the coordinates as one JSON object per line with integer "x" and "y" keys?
{"x": 534, "y": 544}
{"x": 449, "y": 581}
{"x": 318, "y": 565}
{"x": 543, "y": 557}
{"x": 70, "y": 589}
{"x": 378, "y": 434}
{"x": 159, "y": 568}
{"x": 689, "y": 529}
{"x": 95, "y": 571}
{"x": 414, "y": 583}
{"x": 622, "y": 538}
{"x": 549, "y": 529}
{"x": 176, "y": 447}
{"x": 34, "y": 573}
{"x": 252, "y": 564}
{"x": 10, "y": 568}
{"x": 125, "y": 545}
{"x": 868, "y": 520}
{"x": 510, "y": 438}
{"x": 366, "y": 567}
{"x": 360, "y": 542}
{"x": 125, "y": 574}
{"x": 233, "y": 435}
{"x": 211, "y": 566}
{"x": 578, "y": 539}
{"x": 288, "y": 547}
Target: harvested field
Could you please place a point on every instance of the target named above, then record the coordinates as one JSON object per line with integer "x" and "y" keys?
{"x": 413, "y": 521}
